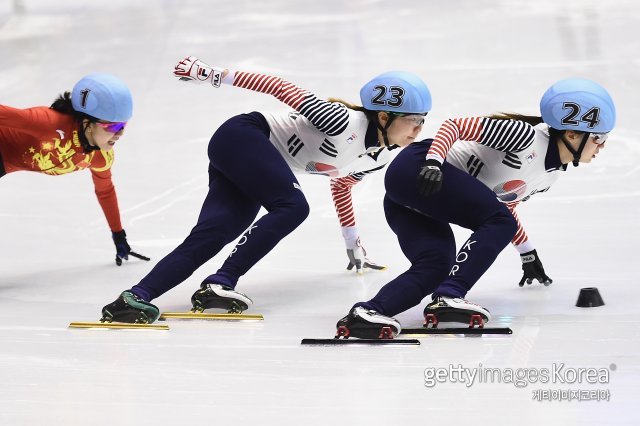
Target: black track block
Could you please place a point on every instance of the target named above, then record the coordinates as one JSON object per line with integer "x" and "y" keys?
{"x": 339, "y": 342}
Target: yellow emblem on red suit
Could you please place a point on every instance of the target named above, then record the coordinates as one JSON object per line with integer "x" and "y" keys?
{"x": 56, "y": 157}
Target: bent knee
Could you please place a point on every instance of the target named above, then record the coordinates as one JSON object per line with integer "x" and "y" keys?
{"x": 295, "y": 208}
{"x": 300, "y": 210}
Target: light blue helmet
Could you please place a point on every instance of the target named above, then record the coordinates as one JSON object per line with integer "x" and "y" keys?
{"x": 396, "y": 91}
{"x": 102, "y": 96}
{"x": 578, "y": 104}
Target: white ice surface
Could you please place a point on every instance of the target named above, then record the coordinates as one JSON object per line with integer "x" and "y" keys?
{"x": 477, "y": 57}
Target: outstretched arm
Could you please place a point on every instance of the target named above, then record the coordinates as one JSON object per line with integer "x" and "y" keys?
{"x": 328, "y": 117}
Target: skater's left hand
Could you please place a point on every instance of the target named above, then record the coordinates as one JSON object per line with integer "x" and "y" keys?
{"x": 123, "y": 250}
{"x": 533, "y": 269}
{"x": 358, "y": 258}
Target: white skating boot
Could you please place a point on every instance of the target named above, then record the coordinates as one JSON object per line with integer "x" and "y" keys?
{"x": 449, "y": 309}
{"x": 219, "y": 296}
{"x": 368, "y": 324}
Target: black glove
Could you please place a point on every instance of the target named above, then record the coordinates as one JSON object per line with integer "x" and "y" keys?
{"x": 430, "y": 178}
{"x": 123, "y": 250}
{"x": 532, "y": 268}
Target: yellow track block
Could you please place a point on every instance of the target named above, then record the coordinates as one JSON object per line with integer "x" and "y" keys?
{"x": 118, "y": 325}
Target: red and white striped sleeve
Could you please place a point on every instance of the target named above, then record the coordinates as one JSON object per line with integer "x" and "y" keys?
{"x": 499, "y": 134}
{"x": 450, "y": 131}
{"x": 341, "y": 194}
{"x": 331, "y": 118}
{"x": 521, "y": 239}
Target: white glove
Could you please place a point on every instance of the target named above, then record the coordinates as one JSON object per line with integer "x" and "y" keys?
{"x": 194, "y": 70}
{"x": 356, "y": 253}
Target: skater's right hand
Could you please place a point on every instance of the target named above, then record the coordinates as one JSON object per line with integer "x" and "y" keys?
{"x": 358, "y": 258}
{"x": 430, "y": 178}
{"x": 194, "y": 70}
{"x": 533, "y": 269}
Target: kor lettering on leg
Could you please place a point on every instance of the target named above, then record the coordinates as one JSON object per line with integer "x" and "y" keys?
{"x": 462, "y": 256}
{"x": 243, "y": 239}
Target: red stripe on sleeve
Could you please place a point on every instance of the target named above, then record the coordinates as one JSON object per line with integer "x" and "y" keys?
{"x": 283, "y": 90}
{"x": 469, "y": 129}
{"x": 521, "y": 235}
{"x": 341, "y": 194}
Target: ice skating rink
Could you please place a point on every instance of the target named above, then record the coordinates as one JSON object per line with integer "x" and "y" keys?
{"x": 478, "y": 57}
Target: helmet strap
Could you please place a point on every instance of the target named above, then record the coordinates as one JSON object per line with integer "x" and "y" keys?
{"x": 576, "y": 153}
{"x": 383, "y": 130}
{"x": 84, "y": 142}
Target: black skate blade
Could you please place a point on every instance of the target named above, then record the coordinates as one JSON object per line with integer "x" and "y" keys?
{"x": 118, "y": 325}
{"x": 456, "y": 330}
{"x": 340, "y": 342}
{"x": 209, "y": 316}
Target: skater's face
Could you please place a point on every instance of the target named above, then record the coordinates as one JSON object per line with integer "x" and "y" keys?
{"x": 403, "y": 129}
{"x": 104, "y": 135}
{"x": 595, "y": 143}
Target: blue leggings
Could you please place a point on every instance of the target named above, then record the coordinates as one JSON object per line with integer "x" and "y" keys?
{"x": 422, "y": 225}
{"x": 245, "y": 172}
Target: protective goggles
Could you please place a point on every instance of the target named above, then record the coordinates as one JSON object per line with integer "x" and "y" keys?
{"x": 417, "y": 119}
{"x": 112, "y": 127}
{"x": 599, "y": 138}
